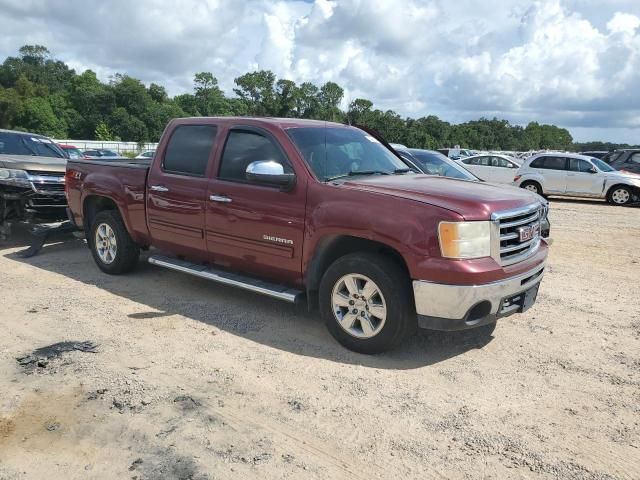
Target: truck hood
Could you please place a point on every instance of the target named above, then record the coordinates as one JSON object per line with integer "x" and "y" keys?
{"x": 34, "y": 162}
{"x": 472, "y": 200}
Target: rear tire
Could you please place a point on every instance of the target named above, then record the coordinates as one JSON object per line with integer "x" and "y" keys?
{"x": 532, "y": 187}
{"x": 113, "y": 249}
{"x": 366, "y": 302}
{"x": 620, "y": 195}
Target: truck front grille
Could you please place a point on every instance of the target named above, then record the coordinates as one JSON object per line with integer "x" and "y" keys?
{"x": 46, "y": 183}
{"x": 509, "y": 225}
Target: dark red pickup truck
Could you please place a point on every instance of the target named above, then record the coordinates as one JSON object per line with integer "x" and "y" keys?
{"x": 298, "y": 209}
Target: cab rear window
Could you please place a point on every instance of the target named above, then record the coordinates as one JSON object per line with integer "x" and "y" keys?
{"x": 189, "y": 149}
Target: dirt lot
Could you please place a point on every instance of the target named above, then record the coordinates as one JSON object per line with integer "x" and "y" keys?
{"x": 190, "y": 380}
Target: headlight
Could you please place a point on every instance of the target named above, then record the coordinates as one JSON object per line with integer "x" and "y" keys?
{"x": 17, "y": 178}
{"x": 465, "y": 239}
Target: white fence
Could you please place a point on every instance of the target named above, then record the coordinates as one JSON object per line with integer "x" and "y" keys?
{"x": 120, "y": 147}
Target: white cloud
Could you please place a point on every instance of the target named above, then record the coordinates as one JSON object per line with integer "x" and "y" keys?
{"x": 570, "y": 62}
{"x": 623, "y": 23}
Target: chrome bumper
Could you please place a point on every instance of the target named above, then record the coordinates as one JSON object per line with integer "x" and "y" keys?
{"x": 471, "y": 304}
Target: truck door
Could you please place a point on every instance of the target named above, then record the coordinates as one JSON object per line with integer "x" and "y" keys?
{"x": 250, "y": 227}
{"x": 177, "y": 190}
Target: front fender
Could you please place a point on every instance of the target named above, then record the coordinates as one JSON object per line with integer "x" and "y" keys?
{"x": 407, "y": 226}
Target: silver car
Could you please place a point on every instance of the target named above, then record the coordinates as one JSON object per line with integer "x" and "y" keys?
{"x": 492, "y": 167}
{"x": 574, "y": 175}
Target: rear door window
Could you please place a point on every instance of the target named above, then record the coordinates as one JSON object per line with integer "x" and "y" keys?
{"x": 549, "y": 163}
{"x": 188, "y": 149}
{"x": 244, "y": 147}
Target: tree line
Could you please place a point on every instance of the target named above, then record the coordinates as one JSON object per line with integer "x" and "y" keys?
{"x": 43, "y": 95}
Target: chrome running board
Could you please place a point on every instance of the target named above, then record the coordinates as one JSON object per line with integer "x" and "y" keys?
{"x": 274, "y": 290}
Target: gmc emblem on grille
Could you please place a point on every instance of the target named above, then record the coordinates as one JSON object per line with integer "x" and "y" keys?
{"x": 529, "y": 232}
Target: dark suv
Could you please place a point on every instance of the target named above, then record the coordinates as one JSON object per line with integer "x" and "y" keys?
{"x": 627, "y": 160}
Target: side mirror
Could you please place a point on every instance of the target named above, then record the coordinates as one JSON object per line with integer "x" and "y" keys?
{"x": 592, "y": 170}
{"x": 268, "y": 172}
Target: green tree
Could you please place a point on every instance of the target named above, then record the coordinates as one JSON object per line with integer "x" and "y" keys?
{"x": 10, "y": 107}
{"x": 104, "y": 133}
{"x": 286, "y": 97}
{"x": 307, "y": 103}
{"x": 43, "y": 95}
{"x": 209, "y": 99}
{"x": 329, "y": 98}
{"x": 127, "y": 127}
{"x": 36, "y": 115}
{"x": 256, "y": 90}
{"x": 358, "y": 109}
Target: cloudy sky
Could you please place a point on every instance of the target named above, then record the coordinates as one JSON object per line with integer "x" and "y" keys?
{"x": 575, "y": 63}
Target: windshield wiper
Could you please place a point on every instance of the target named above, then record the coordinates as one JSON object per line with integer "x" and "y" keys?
{"x": 354, "y": 173}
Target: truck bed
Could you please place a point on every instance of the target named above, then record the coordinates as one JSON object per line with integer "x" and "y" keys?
{"x": 122, "y": 181}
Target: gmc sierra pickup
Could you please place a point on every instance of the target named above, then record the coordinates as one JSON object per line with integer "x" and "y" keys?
{"x": 299, "y": 209}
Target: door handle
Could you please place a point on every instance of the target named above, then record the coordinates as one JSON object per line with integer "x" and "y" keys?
{"x": 220, "y": 199}
{"x": 158, "y": 188}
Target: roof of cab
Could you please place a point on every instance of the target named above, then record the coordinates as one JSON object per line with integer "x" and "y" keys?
{"x": 16, "y": 132}
{"x": 279, "y": 122}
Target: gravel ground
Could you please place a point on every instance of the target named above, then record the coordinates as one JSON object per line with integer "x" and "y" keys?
{"x": 183, "y": 379}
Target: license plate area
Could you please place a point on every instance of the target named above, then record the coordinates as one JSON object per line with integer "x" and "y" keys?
{"x": 520, "y": 302}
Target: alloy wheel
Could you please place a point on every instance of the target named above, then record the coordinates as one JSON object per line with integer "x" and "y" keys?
{"x": 106, "y": 244}
{"x": 359, "y": 306}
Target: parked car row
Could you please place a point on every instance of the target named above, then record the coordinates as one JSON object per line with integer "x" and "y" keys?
{"x": 100, "y": 153}
{"x": 566, "y": 174}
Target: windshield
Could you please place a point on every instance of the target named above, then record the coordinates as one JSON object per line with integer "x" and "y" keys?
{"x": 21, "y": 144}
{"x": 74, "y": 152}
{"x": 334, "y": 151}
{"x": 435, "y": 163}
{"x": 602, "y": 166}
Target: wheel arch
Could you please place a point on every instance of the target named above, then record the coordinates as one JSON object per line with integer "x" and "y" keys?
{"x": 330, "y": 248}
{"x": 634, "y": 190}
{"x": 94, "y": 204}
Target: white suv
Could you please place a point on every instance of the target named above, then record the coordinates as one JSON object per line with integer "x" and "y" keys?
{"x": 573, "y": 175}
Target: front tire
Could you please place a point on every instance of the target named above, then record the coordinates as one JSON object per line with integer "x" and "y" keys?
{"x": 113, "y": 249}
{"x": 366, "y": 303}
{"x": 620, "y": 195}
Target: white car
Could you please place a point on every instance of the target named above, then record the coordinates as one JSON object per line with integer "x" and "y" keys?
{"x": 148, "y": 154}
{"x": 573, "y": 175}
{"x": 493, "y": 167}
